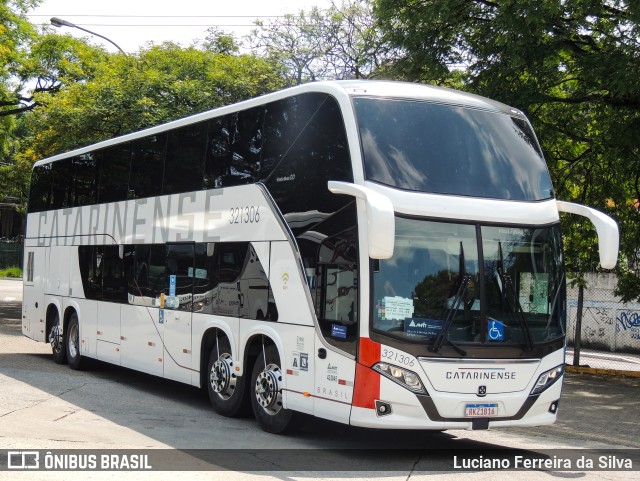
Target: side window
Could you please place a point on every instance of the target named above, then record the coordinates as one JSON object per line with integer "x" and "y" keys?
{"x": 230, "y": 280}
{"x": 85, "y": 190}
{"x": 185, "y": 159}
{"x": 234, "y": 149}
{"x": 218, "y": 156}
{"x": 40, "y": 193}
{"x": 228, "y": 270}
{"x": 114, "y": 281}
{"x": 90, "y": 258}
{"x": 147, "y": 166}
{"x": 247, "y": 146}
{"x": 62, "y": 184}
{"x": 115, "y": 163}
{"x": 30, "y": 267}
{"x": 102, "y": 273}
{"x": 337, "y": 292}
{"x": 180, "y": 273}
{"x": 147, "y": 278}
{"x": 205, "y": 287}
{"x": 305, "y": 146}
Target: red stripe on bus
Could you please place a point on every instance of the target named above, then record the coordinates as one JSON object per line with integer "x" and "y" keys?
{"x": 369, "y": 352}
{"x": 367, "y": 387}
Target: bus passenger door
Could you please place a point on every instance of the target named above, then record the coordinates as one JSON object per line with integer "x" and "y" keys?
{"x": 177, "y": 311}
{"x": 335, "y": 352}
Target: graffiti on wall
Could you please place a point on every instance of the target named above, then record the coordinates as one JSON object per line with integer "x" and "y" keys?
{"x": 629, "y": 321}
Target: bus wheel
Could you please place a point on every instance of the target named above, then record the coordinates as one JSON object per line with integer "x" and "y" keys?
{"x": 73, "y": 342}
{"x": 56, "y": 339}
{"x": 226, "y": 389}
{"x": 266, "y": 398}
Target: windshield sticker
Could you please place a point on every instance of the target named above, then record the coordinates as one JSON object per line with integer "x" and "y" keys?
{"x": 496, "y": 330}
{"x": 423, "y": 327}
{"x": 395, "y": 308}
{"x": 338, "y": 330}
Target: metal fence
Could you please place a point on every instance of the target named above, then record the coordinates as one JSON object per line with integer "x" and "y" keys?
{"x": 602, "y": 331}
{"x": 11, "y": 253}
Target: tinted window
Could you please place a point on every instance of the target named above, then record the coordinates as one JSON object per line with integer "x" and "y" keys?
{"x": 102, "y": 273}
{"x": 218, "y": 156}
{"x": 235, "y": 149}
{"x": 231, "y": 281}
{"x": 147, "y": 166}
{"x": 85, "y": 179}
{"x": 305, "y": 147}
{"x": 90, "y": 259}
{"x": 62, "y": 184}
{"x": 447, "y": 149}
{"x": 114, "y": 173}
{"x": 148, "y": 278}
{"x": 185, "y": 159}
{"x": 114, "y": 281}
{"x": 40, "y": 194}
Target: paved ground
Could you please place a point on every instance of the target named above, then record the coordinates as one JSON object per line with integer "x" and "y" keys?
{"x": 47, "y": 406}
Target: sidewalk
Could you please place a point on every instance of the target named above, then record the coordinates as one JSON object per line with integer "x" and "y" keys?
{"x": 603, "y": 362}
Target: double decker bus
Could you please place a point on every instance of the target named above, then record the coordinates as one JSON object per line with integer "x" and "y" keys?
{"x": 381, "y": 254}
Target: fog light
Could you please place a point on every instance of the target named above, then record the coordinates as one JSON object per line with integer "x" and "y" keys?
{"x": 553, "y": 408}
{"x": 383, "y": 408}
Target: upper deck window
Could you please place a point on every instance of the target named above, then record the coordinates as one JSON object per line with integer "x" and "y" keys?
{"x": 447, "y": 149}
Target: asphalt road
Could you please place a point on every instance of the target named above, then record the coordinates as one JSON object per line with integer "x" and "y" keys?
{"x": 47, "y": 406}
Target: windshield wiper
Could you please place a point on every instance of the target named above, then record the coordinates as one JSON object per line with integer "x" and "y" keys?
{"x": 455, "y": 306}
{"x": 505, "y": 285}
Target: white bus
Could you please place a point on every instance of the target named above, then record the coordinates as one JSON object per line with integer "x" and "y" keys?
{"x": 375, "y": 253}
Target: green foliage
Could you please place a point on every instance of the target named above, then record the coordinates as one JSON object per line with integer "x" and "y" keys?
{"x": 11, "y": 272}
{"x": 126, "y": 94}
{"x": 572, "y": 66}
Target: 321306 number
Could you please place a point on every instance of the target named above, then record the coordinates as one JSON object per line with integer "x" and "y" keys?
{"x": 249, "y": 214}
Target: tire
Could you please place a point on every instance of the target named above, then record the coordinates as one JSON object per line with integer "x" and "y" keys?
{"x": 72, "y": 342}
{"x": 57, "y": 341}
{"x": 227, "y": 392}
{"x": 266, "y": 394}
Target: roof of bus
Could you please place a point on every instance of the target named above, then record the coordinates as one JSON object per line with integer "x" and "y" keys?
{"x": 352, "y": 88}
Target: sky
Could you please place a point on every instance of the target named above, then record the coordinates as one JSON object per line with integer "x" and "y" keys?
{"x": 133, "y": 23}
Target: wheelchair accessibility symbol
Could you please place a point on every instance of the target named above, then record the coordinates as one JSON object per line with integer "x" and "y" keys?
{"x": 496, "y": 330}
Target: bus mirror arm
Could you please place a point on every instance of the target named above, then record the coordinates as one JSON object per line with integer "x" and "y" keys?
{"x": 606, "y": 228}
{"x": 380, "y": 217}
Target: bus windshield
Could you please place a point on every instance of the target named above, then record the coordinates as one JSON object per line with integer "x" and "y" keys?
{"x": 446, "y": 149}
{"x": 470, "y": 284}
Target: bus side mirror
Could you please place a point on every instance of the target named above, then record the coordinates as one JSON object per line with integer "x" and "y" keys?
{"x": 606, "y": 227}
{"x": 121, "y": 251}
{"x": 381, "y": 223}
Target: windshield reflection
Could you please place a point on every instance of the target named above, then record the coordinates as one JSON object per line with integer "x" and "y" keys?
{"x": 442, "y": 285}
{"x": 428, "y": 147}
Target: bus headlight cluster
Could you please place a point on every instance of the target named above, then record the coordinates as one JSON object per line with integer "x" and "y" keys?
{"x": 547, "y": 378}
{"x": 404, "y": 377}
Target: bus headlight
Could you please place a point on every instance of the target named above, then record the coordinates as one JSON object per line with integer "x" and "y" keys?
{"x": 404, "y": 377}
{"x": 547, "y": 378}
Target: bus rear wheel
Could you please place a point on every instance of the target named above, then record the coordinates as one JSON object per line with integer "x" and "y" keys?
{"x": 266, "y": 395}
{"x": 73, "y": 342}
{"x": 226, "y": 389}
{"x": 56, "y": 339}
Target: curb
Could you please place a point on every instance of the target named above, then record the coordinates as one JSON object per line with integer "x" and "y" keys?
{"x": 601, "y": 372}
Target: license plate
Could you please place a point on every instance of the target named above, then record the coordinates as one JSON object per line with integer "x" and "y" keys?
{"x": 480, "y": 410}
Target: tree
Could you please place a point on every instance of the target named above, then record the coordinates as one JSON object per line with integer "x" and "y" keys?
{"x": 336, "y": 43}
{"x": 126, "y": 94}
{"x": 572, "y": 66}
